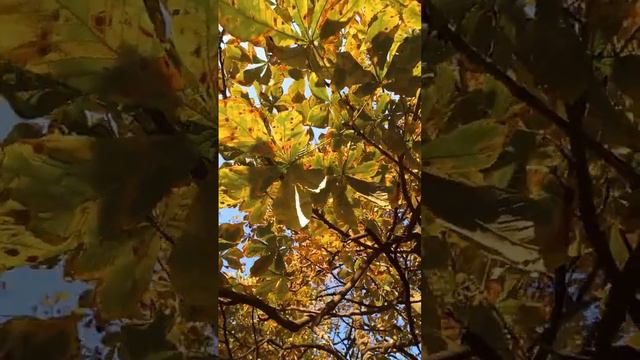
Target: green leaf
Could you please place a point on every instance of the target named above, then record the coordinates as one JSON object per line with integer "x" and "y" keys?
{"x": 344, "y": 273}
{"x": 53, "y": 46}
{"x": 241, "y": 127}
{"x": 195, "y": 41}
{"x": 364, "y": 170}
{"x": 38, "y": 102}
{"x": 123, "y": 267}
{"x": 147, "y": 341}
{"x": 479, "y": 28}
{"x": 73, "y": 190}
{"x": 256, "y": 247}
{"x": 194, "y": 256}
{"x": 411, "y": 15}
{"x": 147, "y": 169}
{"x": 338, "y": 11}
{"x": 231, "y": 232}
{"x": 261, "y": 265}
{"x": 233, "y": 256}
{"x": 507, "y": 225}
{"x": 229, "y": 235}
{"x": 248, "y": 76}
{"x": 392, "y": 137}
{"x": 349, "y": 72}
{"x": 473, "y": 146}
{"x": 293, "y": 56}
{"x": 403, "y": 74}
{"x": 617, "y": 245}
{"x": 248, "y": 20}
{"x": 30, "y": 338}
{"x": 279, "y": 264}
{"x": 282, "y": 288}
{"x": 375, "y": 193}
{"x": 331, "y": 27}
{"x": 23, "y": 130}
{"x": 343, "y": 208}
{"x": 318, "y": 87}
{"x": 266, "y": 287}
{"x": 319, "y": 116}
{"x": 299, "y": 11}
{"x": 243, "y": 185}
{"x": 18, "y": 245}
{"x": 292, "y": 207}
{"x": 380, "y": 36}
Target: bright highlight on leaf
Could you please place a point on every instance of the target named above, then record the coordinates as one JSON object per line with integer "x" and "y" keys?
{"x": 332, "y": 152}
{"x": 302, "y": 219}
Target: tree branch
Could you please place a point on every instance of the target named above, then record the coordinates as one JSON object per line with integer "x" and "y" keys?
{"x": 329, "y": 350}
{"x": 255, "y": 334}
{"x": 295, "y": 325}
{"x": 523, "y": 94}
{"x": 388, "y": 346}
{"x": 621, "y": 296}
{"x": 403, "y": 185}
{"x": 364, "y": 137}
{"x": 405, "y": 283}
{"x": 345, "y": 235}
{"x": 156, "y": 226}
{"x": 549, "y": 334}
{"x": 623, "y": 288}
{"x": 224, "y": 332}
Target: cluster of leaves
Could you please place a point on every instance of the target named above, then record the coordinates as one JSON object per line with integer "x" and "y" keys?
{"x": 319, "y": 127}
{"x": 530, "y": 178}
{"x": 111, "y": 170}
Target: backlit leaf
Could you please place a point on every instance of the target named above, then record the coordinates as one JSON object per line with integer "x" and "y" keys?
{"x": 471, "y": 147}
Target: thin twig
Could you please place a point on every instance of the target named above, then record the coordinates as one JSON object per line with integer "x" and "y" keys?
{"x": 403, "y": 278}
{"x": 154, "y": 223}
{"x": 224, "y": 332}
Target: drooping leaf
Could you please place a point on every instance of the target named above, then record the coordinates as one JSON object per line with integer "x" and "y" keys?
{"x": 343, "y": 207}
{"x": 501, "y": 222}
{"x": 318, "y": 87}
{"x": 266, "y": 287}
{"x": 349, "y": 72}
{"x": 282, "y": 287}
{"x": 292, "y": 206}
{"x": 470, "y": 147}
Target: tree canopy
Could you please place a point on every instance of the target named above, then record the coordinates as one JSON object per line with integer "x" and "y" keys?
{"x": 319, "y": 129}
{"x": 396, "y": 179}
{"x": 530, "y": 179}
{"x": 111, "y": 171}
